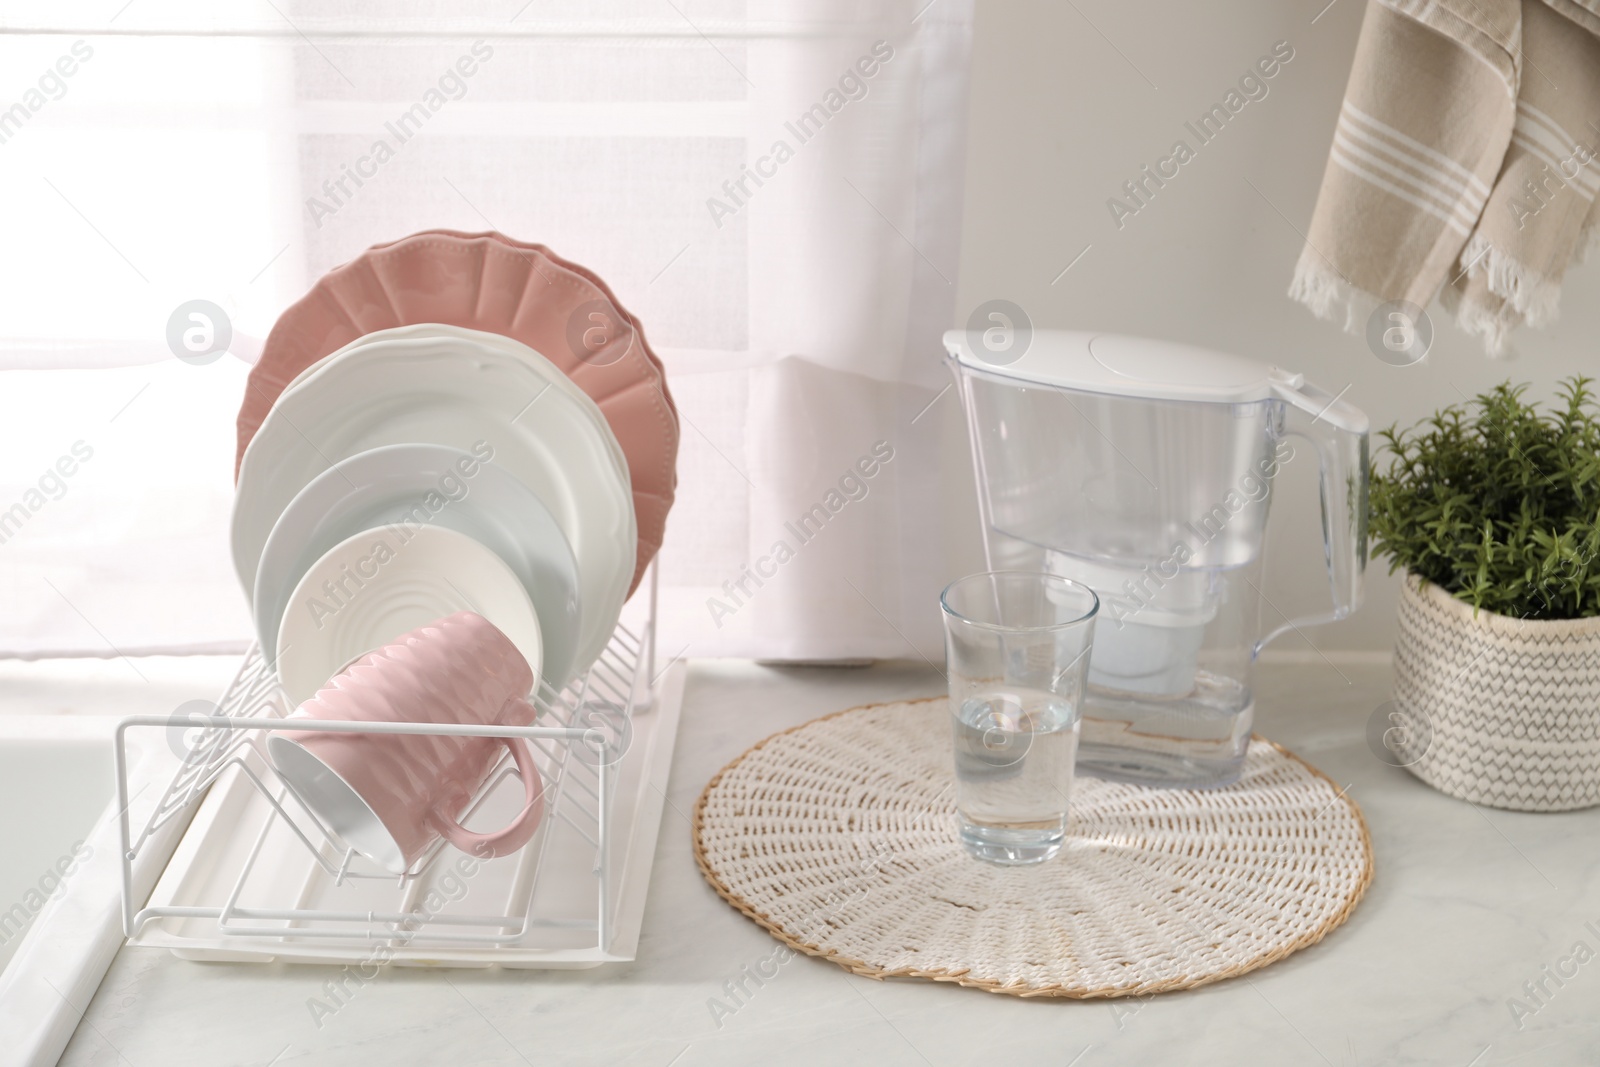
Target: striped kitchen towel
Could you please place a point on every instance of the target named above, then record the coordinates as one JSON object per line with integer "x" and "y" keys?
{"x": 1463, "y": 164}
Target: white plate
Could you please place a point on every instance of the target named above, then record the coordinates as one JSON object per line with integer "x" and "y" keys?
{"x": 434, "y": 485}
{"x": 380, "y": 584}
{"x": 438, "y": 390}
{"x": 469, "y": 341}
{"x": 435, "y": 331}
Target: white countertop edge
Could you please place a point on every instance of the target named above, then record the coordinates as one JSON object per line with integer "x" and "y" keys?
{"x": 49, "y": 983}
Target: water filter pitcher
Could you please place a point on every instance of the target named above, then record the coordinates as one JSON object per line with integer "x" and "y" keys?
{"x": 1145, "y": 470}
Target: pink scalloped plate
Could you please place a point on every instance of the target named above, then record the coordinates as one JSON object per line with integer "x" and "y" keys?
{"x": 487, "y": 281}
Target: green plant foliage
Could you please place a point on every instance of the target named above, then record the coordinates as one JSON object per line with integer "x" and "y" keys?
{"x": 1497, "y": 502}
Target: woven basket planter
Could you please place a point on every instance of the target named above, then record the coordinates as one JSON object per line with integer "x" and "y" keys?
{"x": 1500, "y": 711}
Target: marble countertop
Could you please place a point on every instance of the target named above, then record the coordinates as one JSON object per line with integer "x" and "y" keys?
{"x": 1468, "y": 905}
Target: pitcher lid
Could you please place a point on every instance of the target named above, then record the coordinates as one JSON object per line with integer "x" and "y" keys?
{"x": 1120, "y": 366}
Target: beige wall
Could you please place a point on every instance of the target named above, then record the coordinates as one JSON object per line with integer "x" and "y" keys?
{"x": 1063, "y": 111}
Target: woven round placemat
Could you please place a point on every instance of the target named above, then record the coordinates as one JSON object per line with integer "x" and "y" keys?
{"x": 839, "y": 837}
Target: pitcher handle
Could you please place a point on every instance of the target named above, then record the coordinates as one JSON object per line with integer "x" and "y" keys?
{"x": 1339, "y": 432}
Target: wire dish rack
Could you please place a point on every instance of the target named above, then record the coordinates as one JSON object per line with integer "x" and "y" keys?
{"x": 257, "y": 877}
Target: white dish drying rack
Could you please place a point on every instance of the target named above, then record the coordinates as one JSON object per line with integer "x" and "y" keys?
{"x": 257, "y": 877}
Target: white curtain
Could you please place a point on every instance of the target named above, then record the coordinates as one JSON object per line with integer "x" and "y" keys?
{"x": 795, "y": 293}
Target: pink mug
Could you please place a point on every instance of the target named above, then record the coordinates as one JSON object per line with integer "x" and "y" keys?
{"x": 392, "y": 796}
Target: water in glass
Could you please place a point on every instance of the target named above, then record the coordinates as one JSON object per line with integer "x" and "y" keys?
{"x": 1015, "y": 750}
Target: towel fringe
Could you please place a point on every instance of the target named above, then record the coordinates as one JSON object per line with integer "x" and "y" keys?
{"x": 1476, "y": 319}
{"x": 1328, "y": 295}
{"x": 1535, "y": 299}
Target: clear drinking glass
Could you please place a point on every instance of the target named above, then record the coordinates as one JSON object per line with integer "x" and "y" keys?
{"x": 1017, "y": 650}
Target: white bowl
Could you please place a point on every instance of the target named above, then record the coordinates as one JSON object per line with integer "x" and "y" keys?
{"x": 379, "y": 584}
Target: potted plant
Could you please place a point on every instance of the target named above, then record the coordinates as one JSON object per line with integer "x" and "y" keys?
{"x": 1492, "y": 508}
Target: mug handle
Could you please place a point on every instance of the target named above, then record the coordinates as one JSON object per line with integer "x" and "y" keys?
{"x": 520, "y": 830}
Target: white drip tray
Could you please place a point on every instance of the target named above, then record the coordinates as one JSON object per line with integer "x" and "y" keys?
{"x": 243, "y": 885}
